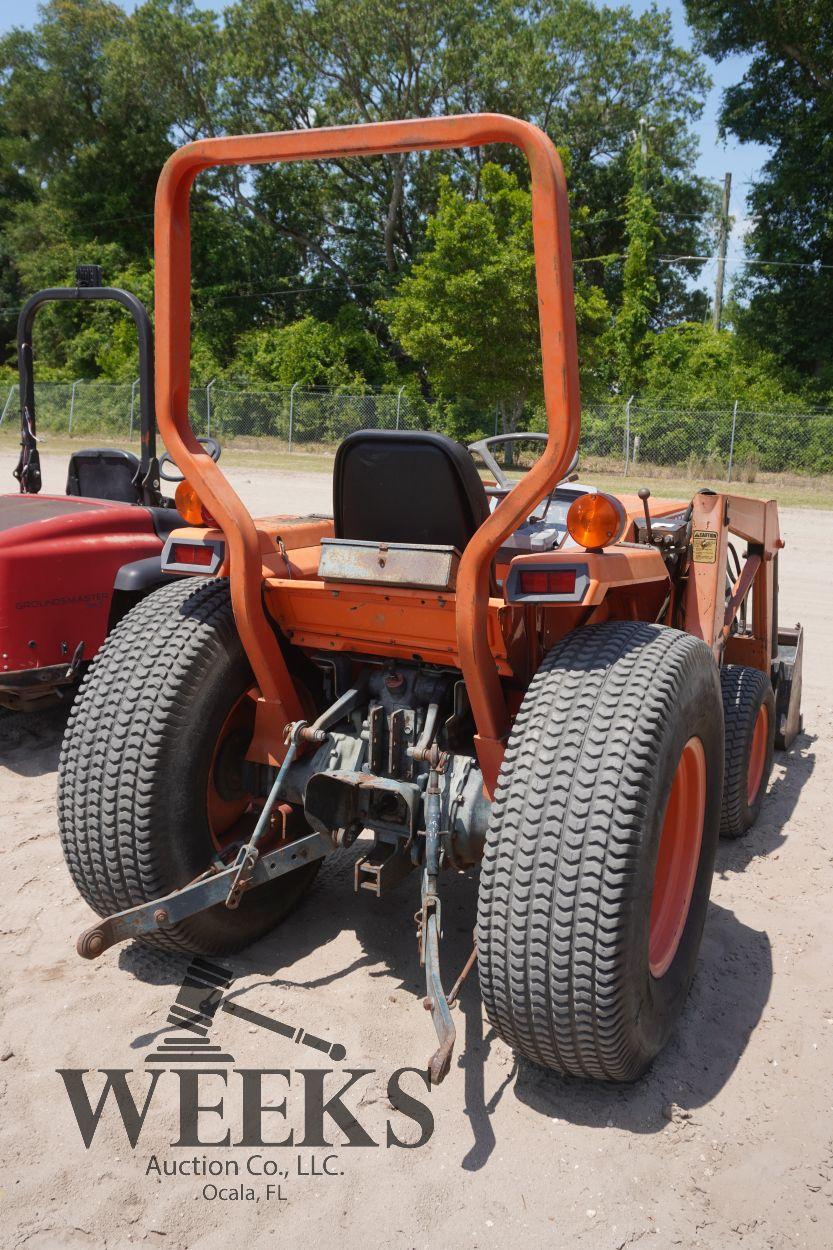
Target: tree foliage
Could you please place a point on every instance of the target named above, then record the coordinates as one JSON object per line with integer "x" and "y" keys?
{"x": 784, "y": 100}
{"x": 93, "y": 99}
{"x": 693, "y": 365}
{"x": 468, "y": 307}
{"x": 310, "y": 353}
{"x": 640, "y": 289}
{"x": 353, "y": 271}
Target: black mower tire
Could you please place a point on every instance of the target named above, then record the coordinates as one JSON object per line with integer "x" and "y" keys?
{"x": 567, "y": 879}
{"x": 134, "y": 767}
{"x": 747, "y": 693}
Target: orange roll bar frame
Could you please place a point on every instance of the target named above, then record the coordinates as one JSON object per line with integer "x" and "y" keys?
{"x": 554, "y": 278}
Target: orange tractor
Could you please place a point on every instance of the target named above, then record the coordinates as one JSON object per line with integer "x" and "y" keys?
{"x": 578, "y": 693}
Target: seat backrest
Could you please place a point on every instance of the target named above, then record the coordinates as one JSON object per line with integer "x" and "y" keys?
{"x": 407, "y": 486}
{"x": 104, "y": 473}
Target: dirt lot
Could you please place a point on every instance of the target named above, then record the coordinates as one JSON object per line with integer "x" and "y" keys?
{"x": 727, "y": 1141}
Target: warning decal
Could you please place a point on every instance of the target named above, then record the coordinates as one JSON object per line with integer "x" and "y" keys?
{"x": 704, "y": 546}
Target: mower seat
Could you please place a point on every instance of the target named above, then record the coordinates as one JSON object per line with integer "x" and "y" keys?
{"x": 407, "y": 486}
{"x": 104, "y": 473}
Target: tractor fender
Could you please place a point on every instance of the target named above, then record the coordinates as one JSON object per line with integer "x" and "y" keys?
{"x": 140, "y": 576}
{"x": 133, "y": 581}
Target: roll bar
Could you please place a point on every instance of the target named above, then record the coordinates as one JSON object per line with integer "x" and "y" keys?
{"x": 554, "y": 278}
{"x": 28, "y": 468}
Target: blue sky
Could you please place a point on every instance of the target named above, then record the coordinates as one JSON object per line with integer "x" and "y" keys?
{"x": 742, "y": 160}
{"x": 716, "y": 157}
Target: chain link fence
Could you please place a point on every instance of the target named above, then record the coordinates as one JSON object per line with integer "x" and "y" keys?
{"x": 298, "y": 418}
{"x": 290, "y": 419}
{"x": 731, "y": 443}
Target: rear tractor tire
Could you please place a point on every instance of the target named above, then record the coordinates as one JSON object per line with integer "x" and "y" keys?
{"x": 749, "y": 712}
{"x": 600, "y": 851}
{"x": 150, "y": 782}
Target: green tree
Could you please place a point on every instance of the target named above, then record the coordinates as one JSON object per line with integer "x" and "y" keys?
{"x": 584, "y": 73}
{"x": 312, "y": 353}
{"x": 93, "y": 99}
{"x": 700, "y": 374}
{"x": 693, "y": 365}
{"x": 587, "y": 73}
{"x": 17, "y": 191}
{"x": 783, "y": 100}
{"x": 92, "y": 102}
{"x": 640, "y": 291}
{"x": 467, "y": 311}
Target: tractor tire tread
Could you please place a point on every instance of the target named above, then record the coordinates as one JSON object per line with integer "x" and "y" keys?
{"x": 743, "y": 690}
{"x": 126, "y": 714}
{"x": 557, "y": 878}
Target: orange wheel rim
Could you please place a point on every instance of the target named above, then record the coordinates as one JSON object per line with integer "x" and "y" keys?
{"x": 678, "y": 857}
{"x": 225, "y": 801}
{"x": 757, "y": 755}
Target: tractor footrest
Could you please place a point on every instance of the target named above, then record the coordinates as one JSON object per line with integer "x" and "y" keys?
{"x": 384, "y": 866}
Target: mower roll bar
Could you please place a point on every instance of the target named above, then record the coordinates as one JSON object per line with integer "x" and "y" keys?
{"x": 28, "y": 470}
{"x": 554, "y": 278}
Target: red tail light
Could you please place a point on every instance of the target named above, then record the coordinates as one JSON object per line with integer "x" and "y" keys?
{"x": 190, "y": 553}
{"x": 181, "y": 556}
{"x": 547, "y": 581}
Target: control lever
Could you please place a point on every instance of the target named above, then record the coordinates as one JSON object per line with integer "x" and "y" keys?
{"x": 645, "y": 495}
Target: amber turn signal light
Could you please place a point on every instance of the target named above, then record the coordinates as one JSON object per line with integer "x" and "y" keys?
{"x": 189, "y": 507}
{"x": 595, "y": 521}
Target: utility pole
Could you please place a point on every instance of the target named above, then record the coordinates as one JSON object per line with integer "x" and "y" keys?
{"x": 722, "y": 241}
{"x": 643, "y": 140}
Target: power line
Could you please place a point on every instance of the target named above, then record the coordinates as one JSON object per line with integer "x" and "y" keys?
{"x": 282, "y": 291}
{"x": 579, "y": 260}
{"x": 791, "y": 264}
{"x": 737, "y": 260}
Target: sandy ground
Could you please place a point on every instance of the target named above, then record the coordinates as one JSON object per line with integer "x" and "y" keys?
{"x": 726, "y": 1141}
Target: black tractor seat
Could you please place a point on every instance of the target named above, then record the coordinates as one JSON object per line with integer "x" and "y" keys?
{"x": 407, "y": 486}
{"x": 104, "y": 473}
{"x": 406, "y": 504}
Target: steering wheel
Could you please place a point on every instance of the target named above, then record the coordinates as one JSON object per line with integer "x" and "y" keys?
{"x": 483, "y": 448}
{"x": 210, "y": 444}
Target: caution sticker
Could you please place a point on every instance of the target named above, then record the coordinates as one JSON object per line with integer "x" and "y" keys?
{"x": 704, "y": 546}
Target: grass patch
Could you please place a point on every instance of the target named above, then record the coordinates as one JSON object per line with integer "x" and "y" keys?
{"x": 792, "y": 490}
{"x": 242, "y": 453}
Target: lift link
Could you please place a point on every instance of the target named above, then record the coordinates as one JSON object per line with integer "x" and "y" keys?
{"x": 206, "y": 891}
{"x": 429, "y": 920}
{"x": 296, "y": 733}
{"x": 221, "y": 884}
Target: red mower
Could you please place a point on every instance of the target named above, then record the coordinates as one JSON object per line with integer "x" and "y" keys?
{"x": 72, "y": 565}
